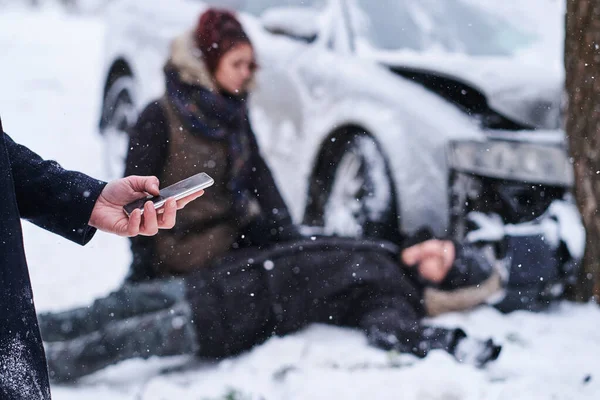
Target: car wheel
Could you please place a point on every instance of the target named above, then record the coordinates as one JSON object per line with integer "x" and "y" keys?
{"x": 118, "y": 115}
{"x": 351, "y": 192}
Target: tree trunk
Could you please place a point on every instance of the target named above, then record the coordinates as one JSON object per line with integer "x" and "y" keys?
{"x": 582, "y": 63}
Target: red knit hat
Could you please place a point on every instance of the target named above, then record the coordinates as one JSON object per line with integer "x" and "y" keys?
{"x": 217, "y": 32}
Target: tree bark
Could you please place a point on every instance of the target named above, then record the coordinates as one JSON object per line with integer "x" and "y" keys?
{"x": 582, "y": 64}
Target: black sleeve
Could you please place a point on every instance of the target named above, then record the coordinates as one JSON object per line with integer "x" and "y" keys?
{"x": 148, "y": 149}
{"x": 388, "y": 306}
{"x": 472, "y": 265}
{"x": 51, "y": 197}
{"x": 274, "y": 210}
{"x": 389, "y": 323}
{"x": 148, "y": 142}
{"x": 393, "y": 324}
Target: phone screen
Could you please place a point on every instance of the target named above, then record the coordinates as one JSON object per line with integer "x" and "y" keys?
{"x": 178, "y": 191}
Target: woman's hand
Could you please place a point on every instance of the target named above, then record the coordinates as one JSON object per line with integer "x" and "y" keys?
{"x": 108, "y": 214}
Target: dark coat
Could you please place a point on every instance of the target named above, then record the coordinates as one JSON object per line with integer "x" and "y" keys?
{"x": 148, "y": 155}
{"x": 250, "y": 295}
{"x": 54, "y": 199}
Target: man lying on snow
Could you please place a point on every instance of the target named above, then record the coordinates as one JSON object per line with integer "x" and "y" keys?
{"x": 250, "y": 295}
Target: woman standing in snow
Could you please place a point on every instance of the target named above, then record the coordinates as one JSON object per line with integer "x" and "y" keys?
{"x": 201, "y": 124}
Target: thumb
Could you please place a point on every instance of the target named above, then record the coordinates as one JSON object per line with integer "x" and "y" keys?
{"x": 147, "y": 184}
{"x": 411, "y": 255}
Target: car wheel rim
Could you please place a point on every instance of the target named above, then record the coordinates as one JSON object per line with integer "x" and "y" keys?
{"x": 120, "y": 114}
{"x": 360, "y": 192}
{"x": 115, "y": 148}
{"x": 342, "y": 211}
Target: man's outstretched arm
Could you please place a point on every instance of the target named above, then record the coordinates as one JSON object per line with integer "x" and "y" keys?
{"x": 74, "y": 205}
{"x": 51, "y": 197}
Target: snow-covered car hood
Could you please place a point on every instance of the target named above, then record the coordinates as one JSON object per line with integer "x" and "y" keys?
{"x": 525, "y": 93}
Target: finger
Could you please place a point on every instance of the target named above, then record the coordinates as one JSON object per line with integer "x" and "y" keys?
{"x": 414, "y": 254}
{"x": 167, "y": 219}
{"x": 188, "y": 199}
{"x": 411, "y": 255}
{"x": 432, "y": 269}
{"x": 449, "y": 254}
{"x": 142, "y": 184}
{"x": 149, "y": 220}
{"x": 133, "y": 225}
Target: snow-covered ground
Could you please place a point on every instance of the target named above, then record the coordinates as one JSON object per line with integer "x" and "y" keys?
{"x": 49, "y": 100}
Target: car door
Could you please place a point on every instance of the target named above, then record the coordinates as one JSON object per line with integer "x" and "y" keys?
{"x": 293, "y": 87}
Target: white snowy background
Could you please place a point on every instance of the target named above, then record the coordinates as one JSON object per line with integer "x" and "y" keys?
{"x": 49, "y": 100}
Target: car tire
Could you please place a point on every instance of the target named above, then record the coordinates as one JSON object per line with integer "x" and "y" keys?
{"x": 119, "y": 113}
{"x": 351, "y": 192}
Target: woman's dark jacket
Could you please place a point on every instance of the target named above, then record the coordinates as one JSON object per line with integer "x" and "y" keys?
{"x": 149, "y": 155}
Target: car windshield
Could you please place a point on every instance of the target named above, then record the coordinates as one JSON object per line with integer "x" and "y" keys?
{"x": 451, "y": 26}
{"x": 257, "y": 7}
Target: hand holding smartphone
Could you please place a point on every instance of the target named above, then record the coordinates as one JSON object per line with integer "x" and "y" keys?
{"x": 177, "y": 191}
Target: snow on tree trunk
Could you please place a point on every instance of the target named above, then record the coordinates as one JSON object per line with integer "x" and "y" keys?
{"x": 582, "y": 63}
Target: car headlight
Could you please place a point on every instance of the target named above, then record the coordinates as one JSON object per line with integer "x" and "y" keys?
{"x": 525, "y": 162}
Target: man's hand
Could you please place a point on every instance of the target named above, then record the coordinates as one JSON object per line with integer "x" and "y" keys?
{"x": 433, "y": 258}
{"x": 108, "y": 214}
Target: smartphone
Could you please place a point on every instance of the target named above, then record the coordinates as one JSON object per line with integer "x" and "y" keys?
{"x": 178, "y": 191}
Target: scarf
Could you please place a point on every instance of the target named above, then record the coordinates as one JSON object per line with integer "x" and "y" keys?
{"x": 217, "y": 116}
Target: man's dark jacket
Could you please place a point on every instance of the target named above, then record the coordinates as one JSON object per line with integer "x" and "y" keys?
{"x": 57, "y": 200}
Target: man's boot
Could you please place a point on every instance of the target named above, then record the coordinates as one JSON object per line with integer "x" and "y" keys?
{"x": 166, "y": 333}
{"x": 126, "y": 302}
{"x": 474, "y": 351}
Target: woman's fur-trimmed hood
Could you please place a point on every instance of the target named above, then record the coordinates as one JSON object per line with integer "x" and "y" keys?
{"x": 186, "y": 58}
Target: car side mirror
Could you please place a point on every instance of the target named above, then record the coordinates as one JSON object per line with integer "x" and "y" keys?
{"x": 300, "y": 23}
